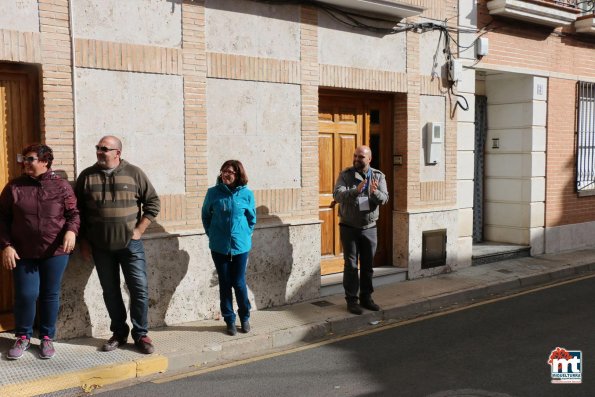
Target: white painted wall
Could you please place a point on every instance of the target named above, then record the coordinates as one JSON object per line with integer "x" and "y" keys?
{"x": 251, "y": 28}
{"x": 145, "y": 111}
{"x": 147, "y": 22}
{"x": 515, "y": 172}
{"x": 258, "y": 124}
{"x": 21, "y": 15}
{"x": 340, "y": 45}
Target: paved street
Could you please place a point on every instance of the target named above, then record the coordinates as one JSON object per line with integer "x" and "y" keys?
{"x": 495, "y": 349}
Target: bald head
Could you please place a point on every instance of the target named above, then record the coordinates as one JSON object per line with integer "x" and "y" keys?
{"x": 361, "y": 158}
{"x": 114, "y": 141}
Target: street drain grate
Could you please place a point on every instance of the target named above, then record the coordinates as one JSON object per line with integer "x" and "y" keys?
{"x": 505, "y": 271}
{"x": 322, "y": 303}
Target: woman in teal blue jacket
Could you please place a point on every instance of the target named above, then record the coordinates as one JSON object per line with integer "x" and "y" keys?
{"x": 229, "y": 216}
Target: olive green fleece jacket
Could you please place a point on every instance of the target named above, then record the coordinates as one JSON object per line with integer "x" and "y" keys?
{"x": 111, "y": 205}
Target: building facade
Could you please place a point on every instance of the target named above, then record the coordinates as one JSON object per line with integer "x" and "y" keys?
{"x": 535, "y": 88}
{"x": 289, "y": 89}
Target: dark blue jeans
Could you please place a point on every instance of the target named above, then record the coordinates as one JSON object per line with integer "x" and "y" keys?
{"x": 232, "y": 274}
{"x": 134, "y": 268}
{"x": 33, "y": 279}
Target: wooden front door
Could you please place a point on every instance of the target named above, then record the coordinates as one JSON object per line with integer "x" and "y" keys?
{"x": 345, "y": 122}
{"x": 19, "y": 126}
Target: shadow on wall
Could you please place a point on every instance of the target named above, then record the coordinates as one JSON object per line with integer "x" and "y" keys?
{"x": 83, "y": 311}
{"x": 275, "y": 276}
{"x": 167, "y": 265}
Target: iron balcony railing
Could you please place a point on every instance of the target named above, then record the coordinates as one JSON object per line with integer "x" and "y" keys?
{"x": 586, "y": 6}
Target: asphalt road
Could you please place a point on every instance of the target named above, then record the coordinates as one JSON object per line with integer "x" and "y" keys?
{"x": 495, "y": 349}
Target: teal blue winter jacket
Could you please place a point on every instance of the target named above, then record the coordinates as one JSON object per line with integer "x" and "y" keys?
{"x": 229, "y": 216}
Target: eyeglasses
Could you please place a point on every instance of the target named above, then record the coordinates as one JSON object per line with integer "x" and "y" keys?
{"x": 29, "y": 159}
{"x": 104, "y": 149}
{"x": 228, "y": 172}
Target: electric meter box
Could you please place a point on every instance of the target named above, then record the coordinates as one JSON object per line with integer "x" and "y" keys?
{"x": 434, "y": 141}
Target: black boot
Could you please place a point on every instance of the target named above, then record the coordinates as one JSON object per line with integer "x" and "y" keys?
{"x": 354, "y": 308}
{"x": 368, "y": 303}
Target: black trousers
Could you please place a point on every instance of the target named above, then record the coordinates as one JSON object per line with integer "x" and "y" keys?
{"x": 358, "y": 244}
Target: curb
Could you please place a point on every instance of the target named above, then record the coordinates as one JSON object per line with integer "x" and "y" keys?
{"x": 89, "y": 379}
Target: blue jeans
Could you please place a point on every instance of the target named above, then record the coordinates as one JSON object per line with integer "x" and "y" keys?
{"x": 232, "y": 274}
{"x": 33, "y": 279}
{"x": 134, "y": 267}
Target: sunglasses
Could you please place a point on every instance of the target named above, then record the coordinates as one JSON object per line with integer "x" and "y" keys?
{"x": 29, "y": 159}
{"x": 103, "y": 149}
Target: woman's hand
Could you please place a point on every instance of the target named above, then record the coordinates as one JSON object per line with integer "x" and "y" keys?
{"x": 69, "y": 241}
{"x": 9, "y": 258}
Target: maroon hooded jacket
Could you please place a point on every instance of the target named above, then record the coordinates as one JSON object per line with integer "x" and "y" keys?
{"x": 35, "y": 213}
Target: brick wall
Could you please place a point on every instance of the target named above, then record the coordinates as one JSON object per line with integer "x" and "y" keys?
{"x": 195, "y": 113}
{"x": 57, "y": 125}
{"x": 524, "y": 45}
{"x": 563, "y": 206}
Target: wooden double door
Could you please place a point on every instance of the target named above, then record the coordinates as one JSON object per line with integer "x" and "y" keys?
{"x": 345, "y": 122}
{"x": 19, "y": 126}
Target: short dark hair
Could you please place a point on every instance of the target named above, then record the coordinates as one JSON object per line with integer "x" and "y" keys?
{"x": 44, "y": 152}
{"x": 241, "y": 176}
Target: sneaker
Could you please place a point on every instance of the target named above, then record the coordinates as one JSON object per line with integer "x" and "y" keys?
{"x": 246, "y": 326}
{"x": 145, "y": 345}
{"x": 113, "y": 343}
{"x": 46, "y": 348}
{"x": 20, "y": 345}
{"x": 231, "y": 329}
{"x": 369, "y": 304}
{"x": 354, "y": 308}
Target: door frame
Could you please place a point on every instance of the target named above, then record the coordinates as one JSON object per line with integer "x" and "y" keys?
{"x": 27, "y": 119}
{"x": 386, "y": 127}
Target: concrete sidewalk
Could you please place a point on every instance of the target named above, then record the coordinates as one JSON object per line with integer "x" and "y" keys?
{"x": 80, "y": 364}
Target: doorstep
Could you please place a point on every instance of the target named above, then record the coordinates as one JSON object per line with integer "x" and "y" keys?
{"x": 332, "y": 284}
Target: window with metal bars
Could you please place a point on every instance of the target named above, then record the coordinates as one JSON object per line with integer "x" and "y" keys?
{"x": 585, "y": 152}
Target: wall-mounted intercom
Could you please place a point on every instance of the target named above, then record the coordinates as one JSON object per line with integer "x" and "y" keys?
{"x": 434, "y": 141}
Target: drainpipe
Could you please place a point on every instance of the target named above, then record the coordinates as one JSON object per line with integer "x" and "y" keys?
{"x": 73, "y": 78}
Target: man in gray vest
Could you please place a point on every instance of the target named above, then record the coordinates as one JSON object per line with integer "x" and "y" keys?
{"x": 360, "y": 191}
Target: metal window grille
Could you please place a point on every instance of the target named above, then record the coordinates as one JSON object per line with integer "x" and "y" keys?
{"x": 586, "y": 6}
{"x": 585, "y": 156}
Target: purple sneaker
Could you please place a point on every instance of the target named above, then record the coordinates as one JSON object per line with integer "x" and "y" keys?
{"x": 20, "y": 345}
{"x": 46, "y": 348}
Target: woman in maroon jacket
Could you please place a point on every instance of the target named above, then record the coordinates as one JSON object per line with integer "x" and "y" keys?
{"x": 39, "y": 221}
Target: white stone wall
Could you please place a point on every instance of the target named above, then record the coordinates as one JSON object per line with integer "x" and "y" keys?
{"x": 343, "y": 46}
{"x": 415, "y": 224}
{"x": 569, "y": 237}
{"x": 251, "y": 28}
{"x": 515, "y": 172}
{"x": 258, "y": 124}
{"x": 21, "y": 15}
{"x": 145, "y": 111}
{"x": 148, "y": 22}
{"x": 466, "y": 135}
{"x": 283, "y": 268}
